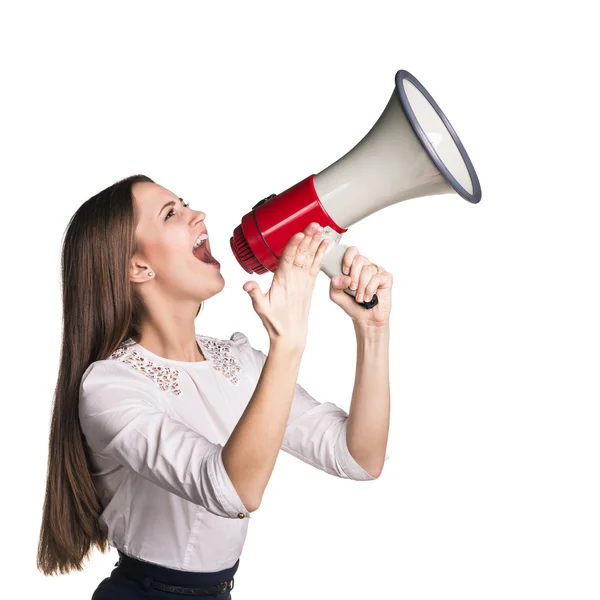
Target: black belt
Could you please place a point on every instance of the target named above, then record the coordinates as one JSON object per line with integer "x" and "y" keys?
{"x": 218, "y": 588}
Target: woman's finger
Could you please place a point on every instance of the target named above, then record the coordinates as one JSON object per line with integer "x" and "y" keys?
{"x": 351, "y": 252}
{"x": 355, "y": 269}
{"x": 366, "y": 274}
{"x": 318, "y": 260}
{"x": 289, "y": 254}
{"x": 313, "y": 246}
{"x": 301, "y": 251}
{"x": 371, "y": 288}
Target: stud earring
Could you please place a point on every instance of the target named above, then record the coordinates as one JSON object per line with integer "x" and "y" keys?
{"x": 150, "y": 273}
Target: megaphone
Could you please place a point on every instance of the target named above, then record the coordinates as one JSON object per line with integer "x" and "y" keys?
{"x": 412, "y": 151}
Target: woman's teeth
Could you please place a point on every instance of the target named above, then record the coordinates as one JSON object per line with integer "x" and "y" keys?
{"x": 201, "y": 239}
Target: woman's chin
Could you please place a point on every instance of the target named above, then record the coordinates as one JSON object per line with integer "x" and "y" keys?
{"x": 214, "y": 285}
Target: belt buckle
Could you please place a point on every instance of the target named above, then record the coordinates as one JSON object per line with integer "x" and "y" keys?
{"x": 224, "y": 587}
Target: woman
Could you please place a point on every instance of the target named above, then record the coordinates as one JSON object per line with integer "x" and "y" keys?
{"x": 162, "y": 440}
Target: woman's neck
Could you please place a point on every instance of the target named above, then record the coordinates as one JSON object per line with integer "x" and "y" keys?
{"x": 171, "y": 345}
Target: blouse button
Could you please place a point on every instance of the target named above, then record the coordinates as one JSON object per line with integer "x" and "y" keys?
{"x": 241, "y": 515}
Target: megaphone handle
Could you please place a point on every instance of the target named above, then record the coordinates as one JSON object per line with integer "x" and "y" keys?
{"x": 332, "y": 263}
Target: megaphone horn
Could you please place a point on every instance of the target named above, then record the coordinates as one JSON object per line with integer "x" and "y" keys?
{"x": 412, "y": 151}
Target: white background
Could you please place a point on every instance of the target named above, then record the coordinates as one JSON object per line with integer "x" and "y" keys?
{"x": 491, "y": 490}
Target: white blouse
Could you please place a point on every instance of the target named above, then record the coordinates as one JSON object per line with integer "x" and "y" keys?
{"x": 155, "y": 430}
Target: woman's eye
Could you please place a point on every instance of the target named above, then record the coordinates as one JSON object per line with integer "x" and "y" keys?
{"x": 172, "y": 211}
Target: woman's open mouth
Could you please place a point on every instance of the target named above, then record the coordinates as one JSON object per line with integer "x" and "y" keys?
{"x": 202, "y": 253}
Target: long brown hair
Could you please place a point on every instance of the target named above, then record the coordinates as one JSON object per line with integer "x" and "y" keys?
{"x": 101, "y": 308}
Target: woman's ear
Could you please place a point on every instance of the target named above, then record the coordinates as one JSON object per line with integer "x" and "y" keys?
{"x": 139, "y": 270}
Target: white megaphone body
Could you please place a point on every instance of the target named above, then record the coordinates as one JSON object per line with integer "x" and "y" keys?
{"x": 412, "y": 151}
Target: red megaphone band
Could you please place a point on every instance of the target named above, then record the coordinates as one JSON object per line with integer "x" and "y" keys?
{"x": 264, "y": 232}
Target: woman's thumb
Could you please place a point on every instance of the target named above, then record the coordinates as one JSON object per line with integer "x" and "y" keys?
{"x": 253, "y": 290}
{"x": 340, "y": 283}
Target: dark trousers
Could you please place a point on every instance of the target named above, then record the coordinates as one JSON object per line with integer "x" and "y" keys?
{"x": 133, "y": 579}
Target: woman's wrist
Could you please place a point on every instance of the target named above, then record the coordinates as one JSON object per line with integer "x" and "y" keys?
{"x": 374, "y": 332}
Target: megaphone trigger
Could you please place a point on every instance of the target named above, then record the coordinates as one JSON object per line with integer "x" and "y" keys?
{"x": 263, "y": 201}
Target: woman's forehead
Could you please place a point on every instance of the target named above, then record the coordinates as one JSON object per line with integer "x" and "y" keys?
{"x": 151, "y": 197}
{"x": 151, "y": 193}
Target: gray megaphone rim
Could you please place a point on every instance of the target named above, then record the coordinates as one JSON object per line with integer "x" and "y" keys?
{"x": 475, "y": 197}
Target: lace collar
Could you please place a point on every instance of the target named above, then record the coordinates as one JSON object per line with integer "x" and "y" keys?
{"x": 165, "y": 372}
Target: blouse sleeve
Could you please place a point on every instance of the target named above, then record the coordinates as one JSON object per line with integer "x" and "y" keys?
{"x": 121, "y": 420}
{"x": 315, "y": 432}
